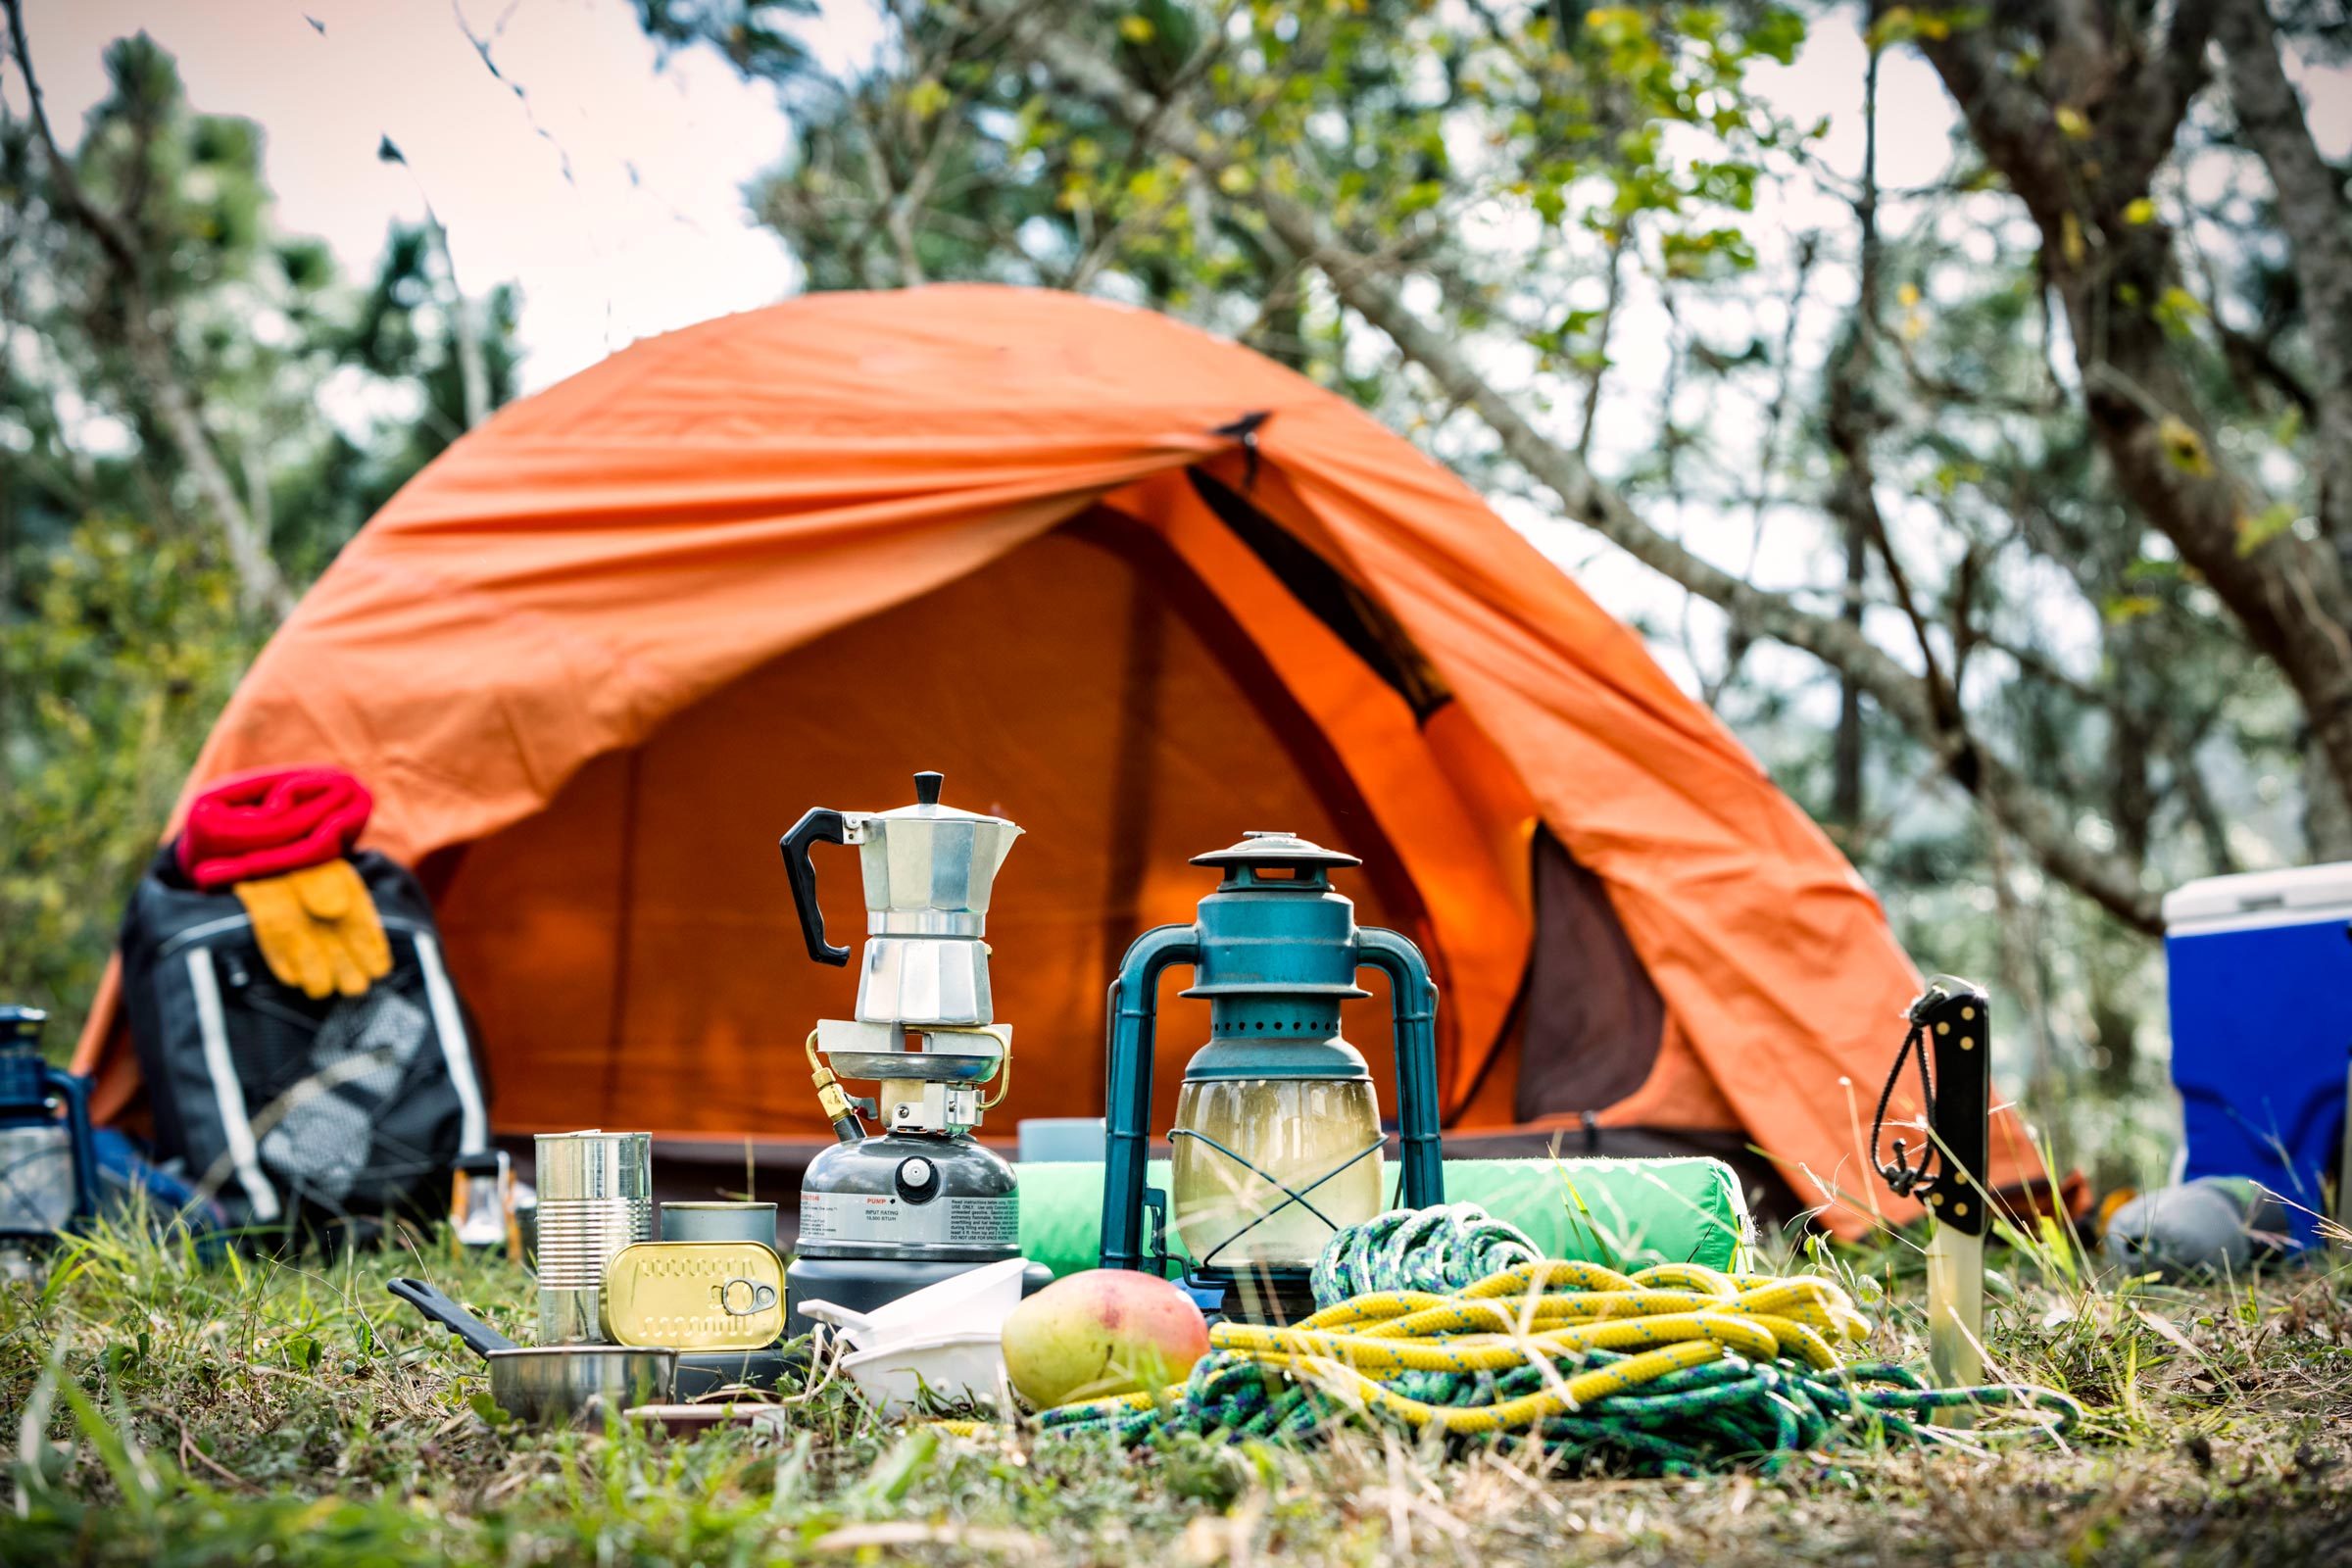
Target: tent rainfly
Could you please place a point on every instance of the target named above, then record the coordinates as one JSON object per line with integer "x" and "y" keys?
{"x": 1140, "y": 590}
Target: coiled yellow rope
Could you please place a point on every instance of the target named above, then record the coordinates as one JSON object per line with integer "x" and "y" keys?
{"x": 1671, "y": 1317}
{"x": 1674, "y": 1369}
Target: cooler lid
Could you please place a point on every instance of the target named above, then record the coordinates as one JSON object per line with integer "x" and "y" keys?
{"x": 2295, "y": 897}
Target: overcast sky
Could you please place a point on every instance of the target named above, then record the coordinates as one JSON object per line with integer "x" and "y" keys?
{"x": 612, "y": 190}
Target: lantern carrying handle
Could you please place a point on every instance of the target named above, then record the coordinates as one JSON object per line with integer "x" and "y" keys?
{"x": 1413, "y": 1001}
{"x": 1133, "y": 1001}
{"x": 73, "y": 1091}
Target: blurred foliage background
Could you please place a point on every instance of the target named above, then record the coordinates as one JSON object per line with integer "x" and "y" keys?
{"x": 127, "y": 613}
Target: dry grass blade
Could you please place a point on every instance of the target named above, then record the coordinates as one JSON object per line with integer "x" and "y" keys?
{"x": 995, "y": 1542}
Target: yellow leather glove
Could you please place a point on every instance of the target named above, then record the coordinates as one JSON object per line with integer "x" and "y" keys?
{"x": 318, "y": 929}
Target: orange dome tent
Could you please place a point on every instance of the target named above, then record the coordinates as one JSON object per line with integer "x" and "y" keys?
{"x": 1138, "y": 589}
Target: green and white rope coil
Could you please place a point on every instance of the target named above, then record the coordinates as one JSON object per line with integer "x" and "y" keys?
{"x": 1450, "y": 1320}
{"x": 1440, "y": 1249}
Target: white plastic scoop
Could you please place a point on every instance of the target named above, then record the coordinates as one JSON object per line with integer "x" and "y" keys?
{"x": 975, "y": 1301}
{"x": 945, "y": 1339}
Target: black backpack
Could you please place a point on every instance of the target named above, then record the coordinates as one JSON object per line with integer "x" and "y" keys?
{"x": 290, "y": 1111}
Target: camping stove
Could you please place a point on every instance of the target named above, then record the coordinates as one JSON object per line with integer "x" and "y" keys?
{"x": 920, "y": 1201}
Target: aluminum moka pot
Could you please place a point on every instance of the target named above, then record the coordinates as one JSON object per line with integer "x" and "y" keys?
{"x": 928, "y": 871}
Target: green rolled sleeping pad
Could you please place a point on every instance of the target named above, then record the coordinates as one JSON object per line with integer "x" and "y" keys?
{"x": 1623, "y": 1214}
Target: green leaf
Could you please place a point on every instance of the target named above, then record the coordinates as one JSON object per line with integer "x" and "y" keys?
{"x": 2178, "y": 310}
{"x": 2260, "y": 529}
{"x": 927, "y": 97}
{"x": 2070, "y": 244}
{"x": 123, "y": 1461}
{"x": 1732, "y": 184}
{"x": 1706, "y": 252}
{"x": 1421, "y": 196}
{"x": 897, "y": 1470}
{"x": 1777, "y": 34}
{"x": 2183, "y": 446}
{"x": 1617, "y": 26}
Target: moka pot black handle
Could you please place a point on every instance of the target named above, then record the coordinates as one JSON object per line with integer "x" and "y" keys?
{"x": 820, "y": 826}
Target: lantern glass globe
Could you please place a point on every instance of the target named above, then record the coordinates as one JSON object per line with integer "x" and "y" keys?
{"x": 1281, "y": 1133}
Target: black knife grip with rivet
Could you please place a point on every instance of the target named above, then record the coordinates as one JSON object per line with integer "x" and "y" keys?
{"x": 1957, "y": 1018}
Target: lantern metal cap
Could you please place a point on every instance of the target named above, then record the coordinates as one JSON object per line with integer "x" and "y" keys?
{"x": 1228, "y": 1057}
{"x": 1275, "y": 846}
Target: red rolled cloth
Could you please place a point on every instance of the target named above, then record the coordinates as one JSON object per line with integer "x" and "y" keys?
{"x": 271, "y": 822}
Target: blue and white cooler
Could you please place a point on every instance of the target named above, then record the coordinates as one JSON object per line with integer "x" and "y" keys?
{"x": 2261, "y": 989}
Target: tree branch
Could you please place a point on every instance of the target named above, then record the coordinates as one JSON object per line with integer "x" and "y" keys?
{"x": 1619, "y": 235}
{"x": 2291, "y": 595}
{"x": 2310, "y": 210}
{"x": 262, "y": 587}
{"x": 1369, "y": 289}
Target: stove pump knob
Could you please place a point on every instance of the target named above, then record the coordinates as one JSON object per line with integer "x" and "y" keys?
{"x": 917, "y": 1180}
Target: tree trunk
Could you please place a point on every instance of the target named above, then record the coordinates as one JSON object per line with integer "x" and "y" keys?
{"x": 2327, "y": 816}
{"x": 2311, "y": 209}
{"x": 2110, "y": 268}
{"x": 1846, "y": 803}
{"x": 464, "y": 331}
{"x": 260, "y": 586}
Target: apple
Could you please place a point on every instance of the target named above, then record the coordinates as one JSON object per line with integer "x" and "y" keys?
{"x": 1105, "y": 1332}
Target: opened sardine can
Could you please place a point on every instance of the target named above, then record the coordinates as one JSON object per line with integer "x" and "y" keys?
{"x": 695, "y": 1296}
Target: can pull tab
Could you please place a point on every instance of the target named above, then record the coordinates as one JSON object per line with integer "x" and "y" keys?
{"x": 749, "y": 1300}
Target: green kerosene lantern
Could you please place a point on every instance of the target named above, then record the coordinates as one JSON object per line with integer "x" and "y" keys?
{"x": 1277, "y": 1143}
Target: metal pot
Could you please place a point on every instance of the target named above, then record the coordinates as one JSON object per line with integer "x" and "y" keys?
{"x": 553, "y": 1385}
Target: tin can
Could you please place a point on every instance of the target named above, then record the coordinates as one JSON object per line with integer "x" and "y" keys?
{"x": 595, "y": 1197}
{"x": 695, "y": 1296}
{"x": 719, "y": 1222}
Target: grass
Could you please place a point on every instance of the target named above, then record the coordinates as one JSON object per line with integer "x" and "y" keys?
{"x": 155, "y": 1409}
